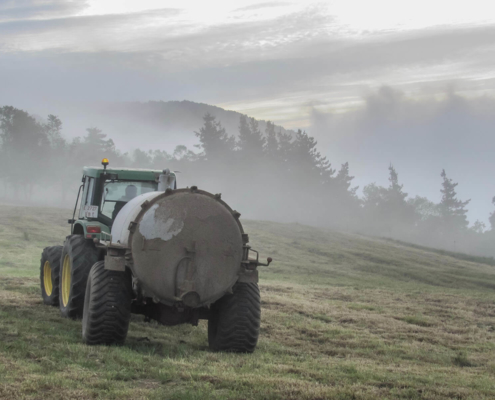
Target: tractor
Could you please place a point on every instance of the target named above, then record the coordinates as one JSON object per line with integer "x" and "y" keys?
{"x": 140, "y": 245}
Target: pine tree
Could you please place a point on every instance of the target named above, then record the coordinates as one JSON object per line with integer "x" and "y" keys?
{"x": 395, "y": 190}
{"x": 251, "y": 142}
{"x": 309, "y": 160}
{"x": 285, "y": 145}
{"x": 214, "y": 141}
{"x": 452, "y": 210}
{"x": 343, "y": 181}
{"x": 96, "y": 141}
{"x": 271, "y": 144}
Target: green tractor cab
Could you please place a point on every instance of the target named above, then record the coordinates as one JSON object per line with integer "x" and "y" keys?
{"x": 105, "y": 191}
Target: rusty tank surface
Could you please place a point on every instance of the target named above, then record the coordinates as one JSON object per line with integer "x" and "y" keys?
{"x": 185, "y": 245}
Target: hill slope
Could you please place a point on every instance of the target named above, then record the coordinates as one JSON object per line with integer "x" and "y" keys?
{"x": 343, "y": 317}
{"x": 149, "y": 125}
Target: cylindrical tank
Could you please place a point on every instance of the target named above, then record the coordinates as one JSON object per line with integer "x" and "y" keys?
{"x": 186, "y": 245}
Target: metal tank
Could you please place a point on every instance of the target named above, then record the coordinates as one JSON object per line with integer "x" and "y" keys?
{"x": 184, "y": 245}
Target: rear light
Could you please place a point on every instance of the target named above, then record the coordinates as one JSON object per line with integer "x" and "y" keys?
{"x": 93, "y": 229}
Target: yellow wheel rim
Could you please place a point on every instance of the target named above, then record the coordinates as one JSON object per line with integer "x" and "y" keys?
{"x": 66, "y": 269}
{"x": 47, "y": 278}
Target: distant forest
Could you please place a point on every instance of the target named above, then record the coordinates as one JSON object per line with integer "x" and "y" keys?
{"x": 268, "y": 173}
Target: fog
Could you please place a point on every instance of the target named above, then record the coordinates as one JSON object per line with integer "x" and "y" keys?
{"x": 420, "y": 136}
{"x": 389, "y": 95}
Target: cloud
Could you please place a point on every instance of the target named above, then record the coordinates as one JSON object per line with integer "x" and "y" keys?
{"x": 305, "y": 48}
{"x": 284, "y": 63}
{"x": 259, "y": 6}
{"x": 28, "y": 9}
{"x": 111, "y": 32}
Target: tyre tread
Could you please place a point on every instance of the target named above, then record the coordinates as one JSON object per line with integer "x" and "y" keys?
{"x": 234, "y": 323}
{"x": 84, "y": 256}
{"x": 53, "y": 255}
{"x": 107, "y": 308}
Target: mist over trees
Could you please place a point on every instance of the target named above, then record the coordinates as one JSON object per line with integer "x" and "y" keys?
{"x": 264, "y": 173}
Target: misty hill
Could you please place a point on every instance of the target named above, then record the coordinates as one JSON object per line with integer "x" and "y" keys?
{"x": 151, "y": 125}
{"x": 343, "y": 316}
{"x": 269, "y": 175}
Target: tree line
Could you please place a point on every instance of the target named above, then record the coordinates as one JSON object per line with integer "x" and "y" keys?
{"x": 269, "y": 174}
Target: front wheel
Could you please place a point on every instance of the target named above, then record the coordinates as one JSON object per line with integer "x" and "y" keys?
{"x": 78, "y": 256}
{"x": 107, "y": 306}
{"x": 234, "y": 322}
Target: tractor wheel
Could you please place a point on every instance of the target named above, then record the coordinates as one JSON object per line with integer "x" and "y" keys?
{"x": 107, "y": 306}
{"x": 78, "y": 256}
{"x": 49, "y": 274}
{"x": 234, "y": 322}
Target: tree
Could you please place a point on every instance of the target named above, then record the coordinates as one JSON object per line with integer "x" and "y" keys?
{"x": 374, "y": 198}
{"x": 400, "y": 212}
{"x": 395, "y": 192}
{"x": 142, "y": 159}
{"x": 251, "y": 142}
{"x": 214, "y": 141}
{"x": 271, "y": 143}
{"x": 20, "y": 132}
{"x": 478, "y": 227}
{"x": 492, "y": 217}
{"x": 452, "y": 210}
{"x": 308, "y": 160}
{"x": 53, "y": 130}
{"x": 182, "y": 153}
{"x": 96, "y": 142}
{"x": 161, "y": 159}
{"x": 285, "y": 145}
{"x": 25, "y": 150}
{"x": 386, "y": 209}
{"x": 343, "y": 181}
{"x": 424, "y": 208}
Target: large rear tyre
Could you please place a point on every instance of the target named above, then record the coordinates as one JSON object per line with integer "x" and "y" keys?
{"x": 234, "y": 322}
{"x": 107, "y": 306}
{"x": 49, "y": 274}
{"x": 78, "y": 256}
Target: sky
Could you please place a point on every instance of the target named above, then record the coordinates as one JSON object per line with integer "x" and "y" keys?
{"x": 404, "y": 82}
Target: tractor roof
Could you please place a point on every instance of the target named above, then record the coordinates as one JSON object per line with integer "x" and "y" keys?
{"x": 124, "y": 173}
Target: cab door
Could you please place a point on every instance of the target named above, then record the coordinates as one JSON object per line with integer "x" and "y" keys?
{"x": 87, "y": 210}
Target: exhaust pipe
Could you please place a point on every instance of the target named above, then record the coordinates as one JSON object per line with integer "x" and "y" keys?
{"x": 166, "y": 180}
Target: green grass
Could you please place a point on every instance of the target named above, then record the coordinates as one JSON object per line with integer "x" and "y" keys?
{"x": 460, "y": 256}
{"x": 343, "y": 317}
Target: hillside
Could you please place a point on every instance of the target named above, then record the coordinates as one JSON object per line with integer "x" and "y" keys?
{"x": 343, "y": 317}
{"x": 149, "y": 125}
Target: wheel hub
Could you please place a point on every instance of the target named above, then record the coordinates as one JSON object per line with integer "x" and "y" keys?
{"x": 47, "y": 278}
{"x": 66, "y": 280}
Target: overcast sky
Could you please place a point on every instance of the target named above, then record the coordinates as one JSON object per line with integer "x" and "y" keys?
{"x": 371, "y": 80}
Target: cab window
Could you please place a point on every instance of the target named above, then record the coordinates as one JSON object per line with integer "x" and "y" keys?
{"x": 87, "y": 196}
{"x": 117, "y": 193}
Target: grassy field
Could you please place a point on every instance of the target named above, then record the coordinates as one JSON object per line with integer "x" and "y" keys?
{"x": 343, "y": 317}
